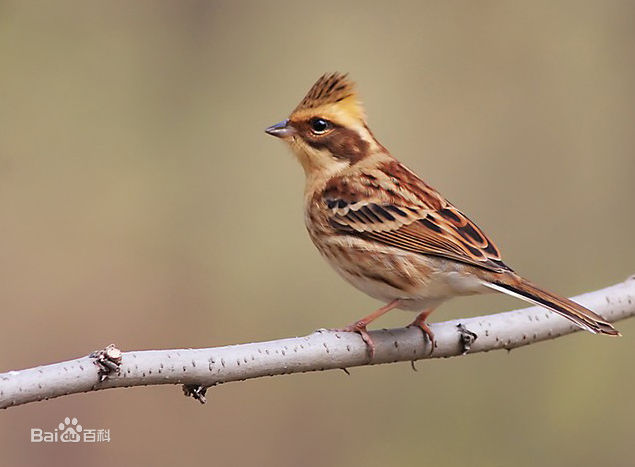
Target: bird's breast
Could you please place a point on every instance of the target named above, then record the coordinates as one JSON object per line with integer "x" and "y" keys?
{"x": 387, "y": 273}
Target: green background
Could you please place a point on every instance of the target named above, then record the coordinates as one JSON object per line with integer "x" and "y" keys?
{"x": 141, "y": 203}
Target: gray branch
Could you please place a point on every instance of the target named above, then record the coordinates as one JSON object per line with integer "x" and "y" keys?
{"x": 198, "y": 369}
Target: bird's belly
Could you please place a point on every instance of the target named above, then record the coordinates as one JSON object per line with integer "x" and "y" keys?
{"x": 385, "y": 273}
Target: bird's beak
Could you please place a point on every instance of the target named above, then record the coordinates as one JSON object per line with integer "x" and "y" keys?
{"x": 281, "y": 130}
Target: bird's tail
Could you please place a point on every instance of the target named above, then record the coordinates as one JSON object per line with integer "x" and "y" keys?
{"x": 580, "y": 315}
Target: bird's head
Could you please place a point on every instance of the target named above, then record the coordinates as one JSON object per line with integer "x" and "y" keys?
{"x": 327, "y": 131}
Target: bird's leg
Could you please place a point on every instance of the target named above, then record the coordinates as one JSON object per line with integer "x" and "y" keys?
{"x": 360, "y": 325}
{"x": 420, "y": 322}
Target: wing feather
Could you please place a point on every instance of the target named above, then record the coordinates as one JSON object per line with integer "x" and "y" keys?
{"x": 392, "y": 206}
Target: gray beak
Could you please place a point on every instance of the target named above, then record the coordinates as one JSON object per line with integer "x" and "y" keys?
{"x": 281, "y": 130}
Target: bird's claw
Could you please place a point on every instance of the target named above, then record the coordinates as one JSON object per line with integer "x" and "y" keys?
{"x": 360, "y": 328}
{"x": 427, "y": 332}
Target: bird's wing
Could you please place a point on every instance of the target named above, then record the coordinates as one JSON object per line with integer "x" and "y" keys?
{"x": 393, "y": 206}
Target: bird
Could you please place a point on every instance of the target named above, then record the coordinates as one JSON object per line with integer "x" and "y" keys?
{"x": 385, "y": 230}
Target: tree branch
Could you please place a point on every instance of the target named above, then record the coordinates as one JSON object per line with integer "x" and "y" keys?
{"x": 198, "y": 369}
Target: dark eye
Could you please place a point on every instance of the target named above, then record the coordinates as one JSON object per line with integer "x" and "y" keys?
{"x": 320, "y": 126}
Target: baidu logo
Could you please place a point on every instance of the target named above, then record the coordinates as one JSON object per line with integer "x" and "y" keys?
{"x": 70, "y": 431}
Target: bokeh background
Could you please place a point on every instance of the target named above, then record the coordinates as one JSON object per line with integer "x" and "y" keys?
{"x": 142, "y": 204}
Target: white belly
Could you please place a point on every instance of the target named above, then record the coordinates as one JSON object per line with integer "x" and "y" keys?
{"x": 418, "y": 281}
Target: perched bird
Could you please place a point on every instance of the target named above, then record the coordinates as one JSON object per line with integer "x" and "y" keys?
{"x": 385, "y": 230}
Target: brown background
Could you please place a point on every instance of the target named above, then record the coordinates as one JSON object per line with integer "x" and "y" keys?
{"x": 141, "y": 203}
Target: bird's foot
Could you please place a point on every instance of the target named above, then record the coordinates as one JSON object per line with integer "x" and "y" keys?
{"x": 420, "y": 322}
{"x": 360, "y": 328}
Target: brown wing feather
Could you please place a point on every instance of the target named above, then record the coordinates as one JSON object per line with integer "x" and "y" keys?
{"x": 392, "y": 206}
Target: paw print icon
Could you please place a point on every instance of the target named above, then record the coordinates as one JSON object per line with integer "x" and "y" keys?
{"x": 70, "y": 431}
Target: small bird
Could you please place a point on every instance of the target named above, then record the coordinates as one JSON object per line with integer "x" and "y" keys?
{"x": 385, "y": 230}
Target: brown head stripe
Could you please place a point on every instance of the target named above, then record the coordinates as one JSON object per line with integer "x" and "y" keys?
{"x": 329, "y": 89}
{"x": 341, "y": 142}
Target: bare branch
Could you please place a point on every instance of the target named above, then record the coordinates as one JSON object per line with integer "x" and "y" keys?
{"x": 198, "y": 369}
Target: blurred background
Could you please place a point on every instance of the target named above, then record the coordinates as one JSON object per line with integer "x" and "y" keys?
{"x": 142, "y": 204}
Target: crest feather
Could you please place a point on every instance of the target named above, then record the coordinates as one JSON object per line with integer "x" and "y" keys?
{"x": 333, "y": 90}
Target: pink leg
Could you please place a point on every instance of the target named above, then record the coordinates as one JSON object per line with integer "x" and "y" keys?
{"x": 420, "y": 322}
{"x": 360, "y": 326}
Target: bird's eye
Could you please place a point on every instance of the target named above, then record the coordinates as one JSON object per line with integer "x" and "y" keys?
{"x": 319, "y": 126}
